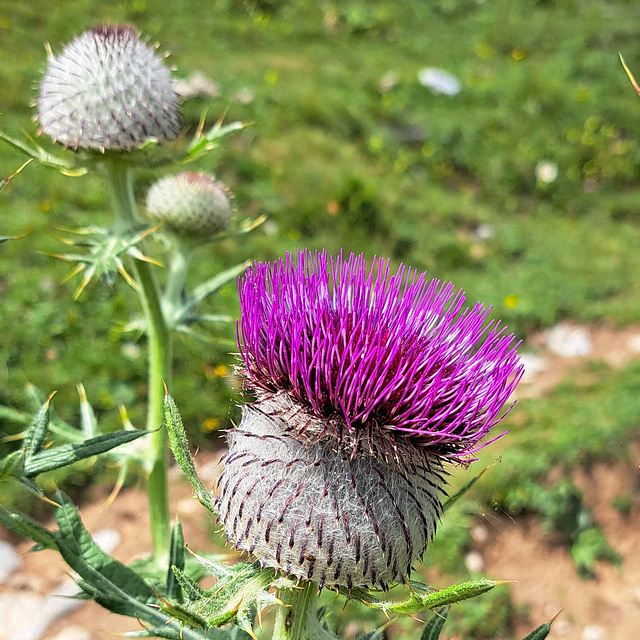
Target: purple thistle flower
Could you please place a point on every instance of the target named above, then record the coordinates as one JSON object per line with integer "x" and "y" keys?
{"x": 365, "y": 383}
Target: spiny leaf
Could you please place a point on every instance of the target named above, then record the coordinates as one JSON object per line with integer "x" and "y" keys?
{"x": 632, "y": 80}
{"x": 25, "y": 527}
{"x": 434, "y": 625}
{"x": 212, "y": 285}
{"x": 67, "y": 454}
{"x": 425, "y": 597}
{"x": 180, "y": 448}
{"x": 11, "y": 466}
{"x": 88, "y": 420}
{"x": 176, "y": 562}
{"x": 36, "y": 152}
{"x": 458, "y": 494}
{"x": 5, "y": 182}
{"x": 35, "y": 436}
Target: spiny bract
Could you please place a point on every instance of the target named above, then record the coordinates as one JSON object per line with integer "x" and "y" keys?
{"x": 191, "y": 204}
{"x": 108, "y": 90}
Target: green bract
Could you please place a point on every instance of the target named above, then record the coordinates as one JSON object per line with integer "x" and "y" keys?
{"x": 190, "y": 204}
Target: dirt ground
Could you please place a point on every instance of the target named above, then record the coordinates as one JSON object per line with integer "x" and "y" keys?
{"x": 546, "y": 582}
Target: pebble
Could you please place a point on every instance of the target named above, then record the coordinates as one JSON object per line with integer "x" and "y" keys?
{"x": 439, "y": 81}
{"x": 569, "y": 341}
{"x": 593, "y": 632}
{"x": 40, "y": 612}
{"x": 107, "y": 539}
{"x": 73, "y": 633}
{"x": 480, "y": 534}
{"x": 533, "y": 364}
{"x": 474, "y": 562}
{"x": 9, "y": 560}
{"x": 562, "y": 627}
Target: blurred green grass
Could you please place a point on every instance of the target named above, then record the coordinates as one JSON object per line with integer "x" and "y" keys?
{"x": 346, "y": 150}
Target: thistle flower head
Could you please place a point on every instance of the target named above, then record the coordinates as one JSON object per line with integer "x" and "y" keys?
{"x": 366, "y": 383}
{"x": 107, "y": 90}
{"x": 191, "y": 204}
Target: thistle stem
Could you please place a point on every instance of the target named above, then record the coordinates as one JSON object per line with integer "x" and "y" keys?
{"x": 159, "y": 353}
{"x": 176, "y": 276}
{"x": 298, "y": 619}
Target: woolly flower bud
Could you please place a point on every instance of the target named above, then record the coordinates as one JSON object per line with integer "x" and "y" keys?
{"x": 107, "y": 90}
{"x": 191, "y": 204}
{"x": 366, "y": 384}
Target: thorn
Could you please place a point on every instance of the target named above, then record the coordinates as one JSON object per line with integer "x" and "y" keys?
{"x": 82, "y": 393}
{"x": 125, "y": 274}
{"x": 554, "y": 617}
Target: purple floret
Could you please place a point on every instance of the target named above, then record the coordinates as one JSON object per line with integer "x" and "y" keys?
{"x": 367, "y": 350}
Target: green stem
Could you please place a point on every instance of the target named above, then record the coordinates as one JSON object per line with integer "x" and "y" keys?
{"x": 176, "y": 276}
{"x": 298, "y": 619}
{"x": 159, "y": 363}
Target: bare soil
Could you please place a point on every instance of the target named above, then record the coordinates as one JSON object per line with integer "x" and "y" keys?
{"x": 546, "y": 582}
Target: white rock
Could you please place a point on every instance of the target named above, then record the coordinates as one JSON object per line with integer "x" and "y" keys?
{"x": 197, "y": 84}
{"x": 73, "y": 633}
{"x": 633, "y": 343}
{"x": 546, "y": 171}
{"x": 569, "y": 341}
{"x": 439, "y": 81}
{"x": 562, "y": 627}
{"x": 593, "y": 632}
{"x": 474, "y": 562}
{"x": 480, "y": 534}
{"x": 534, "y": 365}
{"x": 107, "y": 539}
{"x": 9, "y": 560}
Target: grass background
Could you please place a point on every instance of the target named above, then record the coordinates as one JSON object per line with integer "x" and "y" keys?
{"x": 339, "y": 159}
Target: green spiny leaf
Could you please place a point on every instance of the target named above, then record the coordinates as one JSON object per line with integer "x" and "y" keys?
{"x": 3, "y": 183}
{"x": 88, "y": 420}
{"x": 67, "y": 454}
{"x": 458, "y": 494}
{"x": 36, "y": 152}
{"x": 206, "y": 289}
{"x": 425, "y": 598}
{"x": 11, "y": 466}
{"x": 434, "y": 625}
{"x": 28, "y": 528}
{"x": 176, "y": 562}
{"x": 180, "y": 448}
{"x": 35, "y": 436}
{"x": 540, "y": 633}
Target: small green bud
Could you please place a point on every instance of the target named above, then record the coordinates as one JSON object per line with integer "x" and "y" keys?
{"x": 190, "y": 204}
{"x": 108, "y": 90}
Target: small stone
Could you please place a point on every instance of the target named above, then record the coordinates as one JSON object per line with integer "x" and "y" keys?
{"x": 107, "y": 539}
{"x": 633, "y": 343}
{"x": 480, "y": 534}
{"x": 593, "y": 632}
{"x": 197, "y": 84}
{"x": 474, "y": 562}
{"x": 439, "y": 81}
{"x": 562, "y": 627}
{"x": 73, "y": 633}
{"x": 533, "y": 364}
{"x": 569, "y": 341}
{"x": 9, "y": 560}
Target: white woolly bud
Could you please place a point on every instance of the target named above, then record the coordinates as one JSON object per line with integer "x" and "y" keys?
{"x": 312, "y": 509}
{"x": 191, "y": 204}
{"x": 108, "y": 90}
